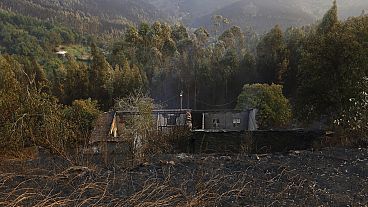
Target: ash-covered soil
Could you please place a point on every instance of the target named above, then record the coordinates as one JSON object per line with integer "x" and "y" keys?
{"x": 332, "y": 177}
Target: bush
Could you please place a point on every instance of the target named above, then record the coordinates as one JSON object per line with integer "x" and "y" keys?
{"x": 274, "y": 108}
{"x": 31, "y": 117}
{"x": 354, "y": 120}
{"x": 82, "y": 115}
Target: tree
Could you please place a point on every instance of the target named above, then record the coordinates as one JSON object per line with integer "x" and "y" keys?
{"x": 29, "y": 116}
{"x": 228, "y": 68}
{"x": 294, "y": 39}
{"x": 141, "y": 126}
{"x": 100, "y": 77}
{"x": 76, "y": 81}
{"x": 10, "y": 89}
{"x": 119, "y": 82}
{"x": 332, "y": 68}
{"x": 272, "y": 57}
{"x": 36, "y": 74}
{"x": 219, "y": 23}
{"x": 330, "y": 20}
{"x": 274, "y": 108}
{"x": 179, "y": 33}
{"x": 354, "y": 119}
{"x": 202, "y": 36}
{"x": 234, "y": 39}
{"x": 82, "y": 114}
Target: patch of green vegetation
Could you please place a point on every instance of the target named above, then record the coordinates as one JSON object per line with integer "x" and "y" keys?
{"x": 80, "y": 52}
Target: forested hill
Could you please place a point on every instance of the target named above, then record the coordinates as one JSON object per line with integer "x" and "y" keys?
{"x": 113, "y": 16}
{"x": 27, "y": 36}
{"x": 264, "y": 14}
{"x": 307, "y": 72}
{"x": 93, "y": 16}
{"x": 260, "y": 15}
{"x": 189, "y": 10}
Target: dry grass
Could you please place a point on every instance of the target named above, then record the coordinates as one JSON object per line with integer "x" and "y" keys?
{"x": 45, "y": 191}
{"x": 241, "y": 180}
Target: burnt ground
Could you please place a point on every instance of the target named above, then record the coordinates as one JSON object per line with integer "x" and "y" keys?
{"x": 332, "y": 177}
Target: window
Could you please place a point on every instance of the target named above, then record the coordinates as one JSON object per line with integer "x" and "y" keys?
{"x": 171, "y": 120}
{"x": 236, "y": 122}
{"x": 216, "y": 123}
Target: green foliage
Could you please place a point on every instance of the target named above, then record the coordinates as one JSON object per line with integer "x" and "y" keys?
{"x": 31, "y": 116}
{"x": 332, "y": 70}
{"x": 9, "y": 97}
{"x": 321, "y": 67}
{"x": 127, "y": 79}
{"x": 333, "y": 75}
{"x": 82, "y": 114}
{"x": 26, "y": 36}
{"x": 274, "y": 108}
{"x": 76, "y": 81}
{"x": 354, "y": 120}
{"x": 86, "y": 16}
{"x": 172, "y": 59}
{"x": 100, "y": 77}
{"x": 329, "y": 21}
{"x": 294, "y": 39}
{"x": 272, "y": 57}
{"x": 141, "y": 124}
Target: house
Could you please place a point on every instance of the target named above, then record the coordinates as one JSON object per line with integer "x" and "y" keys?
{"x": 225, "y": 120}
{"x": 113, "y": 125}
{"x": 164, "y": 119}
{"x": 113, "y": 133}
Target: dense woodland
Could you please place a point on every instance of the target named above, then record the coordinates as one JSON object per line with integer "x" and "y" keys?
{"x": 293, "y": 75}
{"x": 97, "y": 16}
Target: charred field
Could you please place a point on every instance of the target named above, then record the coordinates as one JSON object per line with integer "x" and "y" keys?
{"x": 330, "y": 177}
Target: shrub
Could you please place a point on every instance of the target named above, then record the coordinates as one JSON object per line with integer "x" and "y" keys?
{"x": 274, "y": 108}
{"x": 32, "y": 117}
{"x": 354, "y": 120}
{"x": 82, "y": 115}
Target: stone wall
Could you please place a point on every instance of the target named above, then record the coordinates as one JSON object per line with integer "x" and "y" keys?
{"x": 252, "y": 142}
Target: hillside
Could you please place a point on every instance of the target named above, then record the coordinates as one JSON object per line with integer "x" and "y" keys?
{"x": 241, "y": 12}
{"x": 188, "y": 10}
{"x": 318, "y": 7}
{"x": 259, "y": 14}
{"x": 113, "y": 16}
{"x": 27, "y": 36}
{"x": 87, "y": 15}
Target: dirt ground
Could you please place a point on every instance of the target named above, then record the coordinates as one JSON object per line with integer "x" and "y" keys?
{"x": 332, "y": 177}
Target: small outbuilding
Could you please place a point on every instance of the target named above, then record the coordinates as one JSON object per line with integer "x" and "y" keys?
{"x": 62, "y": 53}
{"x": 225, "y": 120}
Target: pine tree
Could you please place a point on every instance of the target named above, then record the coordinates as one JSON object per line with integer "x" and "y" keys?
{"x": 58, "y": 83}
{"x": 76, "y": 81}
{"x": 132, "y": 78}
{"x": 330, "y": 20}
{"x": 100, "y": 78}
{"x": 119, "y": 84}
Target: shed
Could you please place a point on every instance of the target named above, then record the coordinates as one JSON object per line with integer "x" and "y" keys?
{"x": 225, "y": 120}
